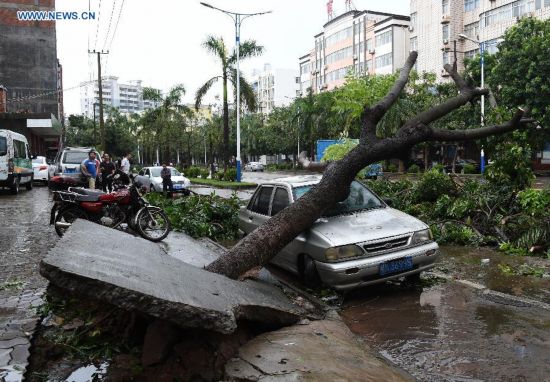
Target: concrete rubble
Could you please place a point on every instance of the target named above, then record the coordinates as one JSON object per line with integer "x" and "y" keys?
{"x": 136, "y": 275}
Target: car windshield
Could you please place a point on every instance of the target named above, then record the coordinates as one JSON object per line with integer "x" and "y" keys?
{"x": 155, "y": 172}
{"x": 38, "y": 160}
{"x": 360, "y": 198}
{"x": 75, "y": 157}
{"x": 3, "y": 146}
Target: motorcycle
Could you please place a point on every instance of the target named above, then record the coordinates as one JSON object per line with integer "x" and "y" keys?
{"x": 125, "y": 206}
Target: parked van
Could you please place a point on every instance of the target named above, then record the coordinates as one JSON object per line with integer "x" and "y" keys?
{"x": 15, "y": 161}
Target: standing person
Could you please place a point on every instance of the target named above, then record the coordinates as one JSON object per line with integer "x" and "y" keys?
{"x": 89, "y": 168}
{"x": 107, "y": 168}
{"x": 166, "y": 175}
{"x": 125, "y": 164}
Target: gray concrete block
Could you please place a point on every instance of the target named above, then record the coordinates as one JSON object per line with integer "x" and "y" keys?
{"x": 135, "y": 274}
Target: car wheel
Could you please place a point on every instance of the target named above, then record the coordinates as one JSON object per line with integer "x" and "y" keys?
{"x": 14, "y": 189}
{"x": 151, "y": 188}
{"x": 28, "y": 186}
{"x": 310, "y": 275}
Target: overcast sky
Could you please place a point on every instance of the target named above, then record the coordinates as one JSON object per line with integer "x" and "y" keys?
{"x": 159, "y": 41}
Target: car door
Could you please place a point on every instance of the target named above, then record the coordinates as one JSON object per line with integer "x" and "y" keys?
{"x": 257, "y": 211}
{"x": 287, "y": 257}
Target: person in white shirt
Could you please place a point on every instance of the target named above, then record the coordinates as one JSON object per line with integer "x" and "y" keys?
{"x": 125, "y": 164}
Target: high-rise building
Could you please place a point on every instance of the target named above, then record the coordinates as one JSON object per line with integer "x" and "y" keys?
{"x": 127, "y": 98}
{"x": 360, "y": 42}
{"x": 273, "y": 87}
{"x": 28, "y": 58}
{"x": 30, "y": 75}
{"x": 436, "y": 26}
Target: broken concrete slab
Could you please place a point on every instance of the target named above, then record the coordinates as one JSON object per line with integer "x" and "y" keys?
{"x": 135, "y": 274}
{"x": 323, "y": 350}
{"x": 183, "y": 247}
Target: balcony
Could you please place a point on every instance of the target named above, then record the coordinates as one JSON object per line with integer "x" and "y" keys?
{"x": 445, "y": 19}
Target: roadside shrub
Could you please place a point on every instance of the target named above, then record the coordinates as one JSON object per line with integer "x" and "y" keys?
{"x": 392, "y": 168}
{"x": 201, "y": 215}
{"x": 469, "y": 169}
{"x": 230, "y": 175}
{"x": 413, "y": 169}
{"x": 192, "y": 172}
{"x": 204, "y": 173}
{"x": 512, "y": 165}
{"x": 432, "y": 185}
{"x": 534, "y": 202}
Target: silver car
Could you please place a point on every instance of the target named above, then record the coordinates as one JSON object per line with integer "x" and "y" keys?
{"x": 359, "y": 242}
{"x": 149, "y": 177}
{"x": 254, "y": 166}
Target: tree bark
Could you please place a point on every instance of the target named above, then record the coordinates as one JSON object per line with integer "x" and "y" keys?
{"x": 270, "y": 238}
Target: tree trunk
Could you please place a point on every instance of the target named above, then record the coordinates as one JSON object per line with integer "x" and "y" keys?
{"x": 271, "y": 237}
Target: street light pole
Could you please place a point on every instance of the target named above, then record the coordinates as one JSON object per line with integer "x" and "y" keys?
{"x": 238, "y": 19}
{"x": 482, "y": 64}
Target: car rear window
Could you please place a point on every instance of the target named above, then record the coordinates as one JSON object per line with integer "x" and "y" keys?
{"x": 75, "y": 157}
{"x": 360, "y": 198}
{"x": 3, "y": 146}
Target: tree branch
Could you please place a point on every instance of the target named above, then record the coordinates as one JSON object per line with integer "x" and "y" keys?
{"x": 310, "y": 165}
{"x": 372, "y": 115}
{"x": 482, "y": 132}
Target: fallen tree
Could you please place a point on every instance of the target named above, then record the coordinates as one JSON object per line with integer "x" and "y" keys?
{"x": 267, "y": 240}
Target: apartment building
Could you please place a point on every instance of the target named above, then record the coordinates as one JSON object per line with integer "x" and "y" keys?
{"x": 127, "y": 98}
{"x": 436, "y": 24}
{"x": 360, "y": 42}
{"x": 273, "y": 87}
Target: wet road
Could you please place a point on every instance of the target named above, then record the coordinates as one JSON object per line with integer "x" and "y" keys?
{"x": 452, "y": 332}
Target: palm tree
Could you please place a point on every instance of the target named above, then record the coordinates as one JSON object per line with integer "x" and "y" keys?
{"x": 217, "y": 47}
{"x": 162, "y": 126}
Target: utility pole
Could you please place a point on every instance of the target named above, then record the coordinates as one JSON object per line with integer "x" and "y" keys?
{"x": 101, "y": 124}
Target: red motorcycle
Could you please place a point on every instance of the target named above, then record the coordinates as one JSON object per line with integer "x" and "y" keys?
{"x": 124, "y": 207}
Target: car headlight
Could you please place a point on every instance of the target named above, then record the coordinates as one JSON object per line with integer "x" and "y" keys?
{"x": 343, "y": 252}
{"x": 422, "y": 236}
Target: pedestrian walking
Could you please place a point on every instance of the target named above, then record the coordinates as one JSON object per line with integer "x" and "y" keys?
{"x": 125, "y": 164}
{"x": 89, "y": 168}
{"x": 166, "y": 175}
{"x": 107, "y": 168}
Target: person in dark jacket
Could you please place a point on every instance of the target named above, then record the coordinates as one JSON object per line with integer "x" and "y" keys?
{"x": 107, "y": 168}
{"x": 166, "y": 175}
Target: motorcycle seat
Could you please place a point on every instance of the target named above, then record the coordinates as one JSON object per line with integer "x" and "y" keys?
{"x": 87, "y": 198}
{"x": 86, "y": 191}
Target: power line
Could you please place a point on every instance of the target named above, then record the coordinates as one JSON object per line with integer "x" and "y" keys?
{"x": 116, "y": 24}
{"x": 40, "y": 95}
{"x": 97, "y": 28}
{"x": 110, "y": 22}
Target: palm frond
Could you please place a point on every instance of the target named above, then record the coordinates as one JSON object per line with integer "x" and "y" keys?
{"x": 247, "y": 49}
{"x": 216, "y": 46}
{"x": 201, "y": 92}
{"x": 248, "y": 96}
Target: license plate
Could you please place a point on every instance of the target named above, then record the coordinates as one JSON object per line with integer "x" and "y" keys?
{"x": 178, "y": 186}
{"x": 396, "y": 266}
{"x": 70, "y": 170}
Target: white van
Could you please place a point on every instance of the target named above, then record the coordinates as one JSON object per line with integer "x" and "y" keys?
{"x": 15, "y": 161}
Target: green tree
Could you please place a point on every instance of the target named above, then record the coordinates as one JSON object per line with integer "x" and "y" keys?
{"x": 217, "y": 47}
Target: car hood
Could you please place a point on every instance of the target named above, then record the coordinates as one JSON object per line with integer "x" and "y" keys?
{"x": 366, "y": 225}
{"x": 174, "y": 179}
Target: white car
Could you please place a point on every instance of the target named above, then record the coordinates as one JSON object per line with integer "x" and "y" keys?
{"x": 40, "y": 169}
{"x": 149, "y": 177}
{"x": 254, "y": 166}
{"x": 360, "y": 241}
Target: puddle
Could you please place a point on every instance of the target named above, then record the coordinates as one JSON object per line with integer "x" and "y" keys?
{"x": 466, "y": 263}
{"x": 88, "y": 373}
{"x": 448, "y": 333}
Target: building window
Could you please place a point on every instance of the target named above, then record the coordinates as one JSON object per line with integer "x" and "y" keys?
{"x": 491, "y": 46}
{"x": 369, "y": 44}
{"x": 470, "y": 5}
{"x": 471, "y": 53}
{"x": 446, "y": 58}
{"x": 445, "y": 31}
{"x": 413, "y": 20}
{"x": 339, "y": 36}
{"x": 445, "y": 7}
{"x": 369, "y": 66}
{"x": 414, "y": 44}
{"x": 383, "y": 38}
{"x": 472, "y": 30}
{"x": 508, "y": 11}
{"x": 384, "y": 60}
{"x": 339, "y": 55}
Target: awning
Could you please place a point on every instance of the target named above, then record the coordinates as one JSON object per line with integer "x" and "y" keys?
{"x": 44, "y": 126}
